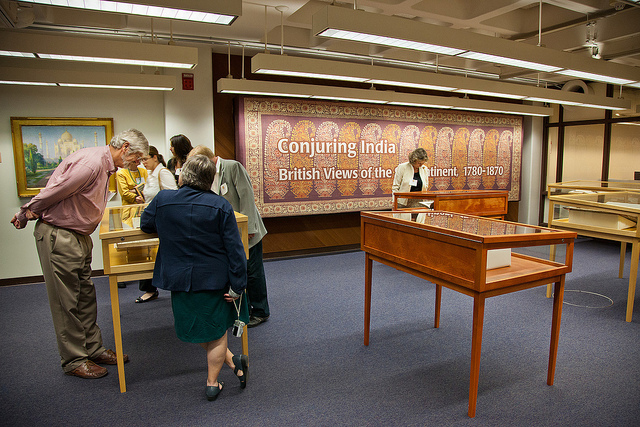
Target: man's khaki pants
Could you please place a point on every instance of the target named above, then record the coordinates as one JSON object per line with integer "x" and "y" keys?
{"x": 65, "y": 257}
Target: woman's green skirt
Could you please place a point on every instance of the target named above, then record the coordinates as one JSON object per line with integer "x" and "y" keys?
{"x": 205, "y": 316}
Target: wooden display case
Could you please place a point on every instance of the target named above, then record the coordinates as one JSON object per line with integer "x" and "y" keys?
{"x": 586, "y": 186}
{"x": 128, "y": 253}
{"x": 489, "y": 203}
{"x": 611, "y": 215}
{"x": 452, "y": 250}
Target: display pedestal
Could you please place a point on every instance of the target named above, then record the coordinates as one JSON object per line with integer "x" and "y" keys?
{"x": 450, "y": 250}
{"x": 128, "y": 254}
{"x": 608, "y": 211}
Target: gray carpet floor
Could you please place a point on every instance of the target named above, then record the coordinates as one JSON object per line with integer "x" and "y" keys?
{"x": 309, "y": 367}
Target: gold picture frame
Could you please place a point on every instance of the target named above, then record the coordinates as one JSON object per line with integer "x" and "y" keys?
{"x": 40, "y": 144}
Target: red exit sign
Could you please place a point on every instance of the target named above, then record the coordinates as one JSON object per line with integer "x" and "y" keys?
{"x": 187, "y": 81}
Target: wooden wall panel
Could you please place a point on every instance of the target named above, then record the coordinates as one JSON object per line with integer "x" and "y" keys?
{"x": 291, "y": 235}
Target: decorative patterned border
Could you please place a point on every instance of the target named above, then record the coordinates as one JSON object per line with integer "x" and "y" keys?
{"x": 466, "y": 141}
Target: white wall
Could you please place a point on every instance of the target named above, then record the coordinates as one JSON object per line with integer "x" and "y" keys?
{"x": 157, "y": 115}
{"x": 191, "y": 112}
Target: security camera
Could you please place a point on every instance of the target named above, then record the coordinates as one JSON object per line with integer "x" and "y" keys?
{"x": 617, "y": 5}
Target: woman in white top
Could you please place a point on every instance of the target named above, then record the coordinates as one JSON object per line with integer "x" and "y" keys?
{"x": 158, "y": 178}
{"x": 411, "y": 176}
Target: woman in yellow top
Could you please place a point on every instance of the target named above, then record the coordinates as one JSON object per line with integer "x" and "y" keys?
{"x": 128, "y": 179}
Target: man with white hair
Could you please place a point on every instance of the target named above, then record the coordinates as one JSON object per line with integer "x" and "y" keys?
{"x": 67, "y": 211}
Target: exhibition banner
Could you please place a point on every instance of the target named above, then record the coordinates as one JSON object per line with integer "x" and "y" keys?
{"x": 314, "y": 157}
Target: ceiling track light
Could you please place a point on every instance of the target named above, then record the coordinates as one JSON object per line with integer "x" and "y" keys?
{"x": 397, "y": 32}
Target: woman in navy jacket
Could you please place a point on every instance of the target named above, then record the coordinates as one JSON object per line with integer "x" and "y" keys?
{"x": 202, "y": 262}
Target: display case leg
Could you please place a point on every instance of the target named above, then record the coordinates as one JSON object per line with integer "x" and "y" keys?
{"x": 436, "y": 320}
{"x": 476, "y": 347}
{"x": 623, "y": 254}
{"x": 633, "y": 276}
{"x": 117, "y": 331}
{"x": 368, "y": 264}
{"x": 558, "y": 296}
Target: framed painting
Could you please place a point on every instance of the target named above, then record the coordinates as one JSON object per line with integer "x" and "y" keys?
{"x": 41, "y": 144}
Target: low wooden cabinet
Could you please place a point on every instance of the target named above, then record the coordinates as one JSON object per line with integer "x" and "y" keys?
{"x": 489, "y": 203}
{"x": 456, "y": 251}
{"x": 128, "y": 253}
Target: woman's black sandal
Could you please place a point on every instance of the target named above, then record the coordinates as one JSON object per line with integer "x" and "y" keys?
{"x": 213, "y": 391}
{"x": 241, "y": 363}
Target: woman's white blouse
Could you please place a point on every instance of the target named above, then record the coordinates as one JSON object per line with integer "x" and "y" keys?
{"x": 161, "y": 177}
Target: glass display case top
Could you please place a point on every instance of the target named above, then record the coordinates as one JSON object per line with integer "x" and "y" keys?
{"x": 585, "y": 186}
{"x": 465, "y": 223}
{"x": 125, "y": 217}
{"x": 628, "y": 201}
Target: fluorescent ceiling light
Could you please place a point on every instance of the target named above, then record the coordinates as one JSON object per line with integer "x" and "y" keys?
{"x": 17, "y": 54}
{"x": 421, "y": 105}
{"x": 222, "y": 12}
{"x": 122, "y": 61}
{"x": 509, "y": 61}
{"x": 590, "y": 101}
{"x": 311, "y": 75}
{"x": 337, "y": 70}
{"x": 388, "y": 41}
{"x": 489, "y": 93}
{"x": 15, "y": 82}
{"x": 552, "y": 101}
{"x": 596, "y": 77}
{"x": 495, "y": 110}
{"x": 410, "y": 84}
{"x": 358, "y": 25}
{"x": 268, "y": 88}
{"x": 49, "y": 46}
{"x": 74, "y": 78}
{"x": 348, "y": 99}
{"x": 105, "y": 86}
{"x": 600, "y": 106}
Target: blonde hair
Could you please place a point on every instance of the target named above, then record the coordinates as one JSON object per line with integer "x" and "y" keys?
{"x": 201, "y": 149}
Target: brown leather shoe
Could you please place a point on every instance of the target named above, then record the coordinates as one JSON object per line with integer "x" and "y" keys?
{"x": 88, "y": 370}
{"x": 108, "y": 357}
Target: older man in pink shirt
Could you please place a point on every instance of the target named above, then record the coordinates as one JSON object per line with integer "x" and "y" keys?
{"x": 68, "y": 210}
